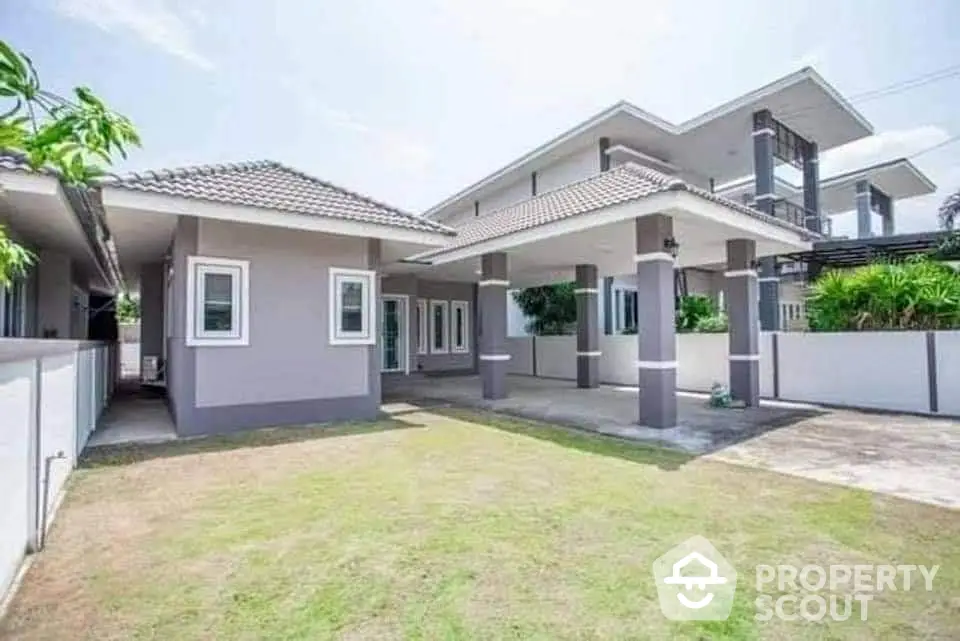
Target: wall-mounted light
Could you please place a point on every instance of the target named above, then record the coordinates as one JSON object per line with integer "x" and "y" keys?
{"x": 671, "y": 246}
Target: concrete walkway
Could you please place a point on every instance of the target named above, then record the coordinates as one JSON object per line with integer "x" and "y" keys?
{"x": 911, "y": 457}
{"x": 135, "y": 415}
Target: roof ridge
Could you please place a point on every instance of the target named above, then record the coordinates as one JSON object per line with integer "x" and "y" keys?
{"x": 255, "y": 165}
{"x": 190, "y": 170}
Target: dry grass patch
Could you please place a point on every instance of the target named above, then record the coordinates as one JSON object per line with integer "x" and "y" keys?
{"x": 461, "y": 526}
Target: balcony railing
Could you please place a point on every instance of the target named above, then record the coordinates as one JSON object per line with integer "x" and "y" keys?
{"x": 797, "y": 215}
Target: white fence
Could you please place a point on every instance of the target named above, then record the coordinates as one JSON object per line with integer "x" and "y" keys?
{"x": 51, "y": 394}
{"x": 898, "y": 371}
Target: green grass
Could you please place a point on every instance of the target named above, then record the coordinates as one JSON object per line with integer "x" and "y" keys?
{"x": 459, "y": 526}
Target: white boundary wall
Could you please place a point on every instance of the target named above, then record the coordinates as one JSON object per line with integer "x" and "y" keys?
{"x": 871, "y": 370}
{"x": 881, "y": 370}
{"x": 948, "y": 371}
{"x": 51, "y": 396}
{"x": 557, "y": 356}
{"x": 520, "y": 349}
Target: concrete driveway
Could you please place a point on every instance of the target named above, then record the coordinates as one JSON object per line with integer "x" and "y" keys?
{"x": 912, "y": 457}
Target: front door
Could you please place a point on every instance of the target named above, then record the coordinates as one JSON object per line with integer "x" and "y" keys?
{"x": 393, "y": 334}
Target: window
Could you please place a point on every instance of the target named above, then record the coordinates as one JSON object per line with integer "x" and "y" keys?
{"x": 13, "y": 310}
{"x": 218, "y": 304}
{"x": 351, "y": 306}
{"x": 460, "y": 326}
{"x": 439, "y": 326}
{"x": 423, "y": 336}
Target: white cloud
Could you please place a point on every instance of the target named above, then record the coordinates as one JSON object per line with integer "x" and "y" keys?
{"x": 153, "y": 21}
{"x": 398, "y": 149}
{"x": 887, "y": 145}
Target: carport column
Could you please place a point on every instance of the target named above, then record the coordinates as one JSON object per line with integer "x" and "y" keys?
{"x": 492, "y": 298}
{"x": 656, "y": 332}
{"x": 864, "y": 209}
{"x": 742, "y": 310}
{"x": 588, "y": 328}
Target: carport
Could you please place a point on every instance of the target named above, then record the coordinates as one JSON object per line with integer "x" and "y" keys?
{"x": 628, "y": 219}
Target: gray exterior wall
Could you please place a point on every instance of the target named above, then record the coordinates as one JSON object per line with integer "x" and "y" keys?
{"x": 181, "y": 365}
{"x": 54, "y": 295}
{"x": 151, "y": 309}
{"x": 289, "y": 373}
{"x": 436, "y": 290}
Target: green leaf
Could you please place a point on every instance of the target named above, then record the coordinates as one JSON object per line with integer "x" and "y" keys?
{"x": 13, "y": 59}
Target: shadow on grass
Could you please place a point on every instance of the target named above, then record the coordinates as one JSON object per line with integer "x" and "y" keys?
{"x": 128, "y": 453}
{"x": 570, "y": 436}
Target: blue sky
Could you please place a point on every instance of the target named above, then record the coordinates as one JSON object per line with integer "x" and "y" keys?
{"x": 410, "y": 101}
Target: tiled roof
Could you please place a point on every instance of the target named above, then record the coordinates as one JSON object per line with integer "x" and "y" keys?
{"x": 625, "y": 183}
{"x": 16, "y": 161}
{"x": 270, "y": 185}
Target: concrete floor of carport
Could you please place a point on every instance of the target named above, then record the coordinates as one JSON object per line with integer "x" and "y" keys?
{"x": 607, "y": 410}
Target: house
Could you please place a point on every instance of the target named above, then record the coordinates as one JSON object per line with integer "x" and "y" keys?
{"x": 271, "y": 297}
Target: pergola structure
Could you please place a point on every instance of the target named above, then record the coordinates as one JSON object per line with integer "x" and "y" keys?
{"x": 630, "y": 218}
{"x": 861, "y": 251}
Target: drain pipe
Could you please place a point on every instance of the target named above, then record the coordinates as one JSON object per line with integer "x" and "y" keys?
{"x": 42, "y": 534}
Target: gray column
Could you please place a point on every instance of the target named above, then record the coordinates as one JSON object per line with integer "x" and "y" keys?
{"x": 608, "y": 305}
{"x": 656, "y": 332}
{"x": 492, "y": 298}
{"x": 374, "y": 361}
{"x": 588, "y": 329}
{"x": 811, "y": 186}
{"x": 864, "y": 209}
{"x": 151, "y": 309}
{"x": 769, "y": 286}
{"x": 742, "y": 313}
{"x": 763, "y": 137}
{"x": 884, "y": 206}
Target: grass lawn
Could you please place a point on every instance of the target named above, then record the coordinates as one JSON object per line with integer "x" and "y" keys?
{"x": 449, "y": 526}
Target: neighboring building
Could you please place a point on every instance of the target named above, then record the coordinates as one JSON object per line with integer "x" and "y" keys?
{"x": 72, "y": 282}
{"x": 270, "y": 297}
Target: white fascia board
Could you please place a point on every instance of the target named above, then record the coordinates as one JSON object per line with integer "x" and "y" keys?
{"x": 29, "y": 182}
{"x": 129, "y": 199}
{"x": 766, "y": 91}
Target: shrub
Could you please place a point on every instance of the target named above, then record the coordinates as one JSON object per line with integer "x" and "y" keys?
{"x": 690, "y": 309}
{"x": 918, "y": 294}
{"x": 715, "y": 324}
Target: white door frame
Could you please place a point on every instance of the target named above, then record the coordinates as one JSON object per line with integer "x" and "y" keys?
{"x": 404, "y": 301}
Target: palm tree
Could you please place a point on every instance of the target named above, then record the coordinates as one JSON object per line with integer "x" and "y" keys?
{"x": 949, "y": 213}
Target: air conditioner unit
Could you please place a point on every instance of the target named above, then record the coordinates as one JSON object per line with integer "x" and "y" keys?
{"x": 150, "y": 369}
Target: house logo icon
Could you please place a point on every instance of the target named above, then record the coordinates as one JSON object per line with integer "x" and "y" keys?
{"x": 694, "y": 582}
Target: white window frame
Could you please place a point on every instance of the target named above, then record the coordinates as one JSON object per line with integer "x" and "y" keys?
{"x": 464, "y": 306}
{"x": 239, "y": 271}
{"x": 445, "y": 306}
{"x": 366, "y": 335}
{"x": 423, "y": 335}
